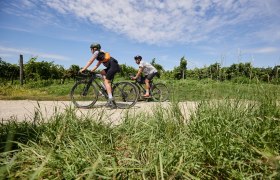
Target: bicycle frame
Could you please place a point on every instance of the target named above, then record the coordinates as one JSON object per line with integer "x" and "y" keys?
{"x": 95, "y": 79}
{"x": 141, "y": 86}
{"x": 91, "y": 86}
{"x": 158, "y": 91}
{"x": 86, "y": 88}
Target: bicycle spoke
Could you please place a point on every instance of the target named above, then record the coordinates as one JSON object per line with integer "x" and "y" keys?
{"x": 125, "y": 95}
{"x": 160, "y": 92}
{"x": 83, "y": 95}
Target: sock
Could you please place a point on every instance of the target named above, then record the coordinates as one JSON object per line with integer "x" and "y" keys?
{"x": 110, "y": 96}
{"x": 147, "y": 92}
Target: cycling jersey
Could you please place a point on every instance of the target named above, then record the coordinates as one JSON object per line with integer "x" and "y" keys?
{"x": 147, "y": 68}
{"x": 111, "y": 64}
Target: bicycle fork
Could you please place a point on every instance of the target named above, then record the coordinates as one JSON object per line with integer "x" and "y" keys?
{"x": 86, "y": 88}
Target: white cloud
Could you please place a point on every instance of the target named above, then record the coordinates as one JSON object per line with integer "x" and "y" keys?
{"x": 16, "y": 29}
{"x": 9, "y": 52}
{"x": 271, "y": 33}
{"x": 155, "y": 21}
{"x": 263, "y": 50}
{"x": 160, "y": 21}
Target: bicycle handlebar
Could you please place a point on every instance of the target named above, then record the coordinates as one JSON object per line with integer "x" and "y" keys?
{"x": 89, "y": 74}
{"x": 130, "y": 75}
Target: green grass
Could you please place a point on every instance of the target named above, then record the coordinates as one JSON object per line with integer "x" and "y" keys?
{"x": 223, "y": 139}
{"x": 31, "y": 92}
{"x": 193, "y": 90}
{"x": 181, "y": 90}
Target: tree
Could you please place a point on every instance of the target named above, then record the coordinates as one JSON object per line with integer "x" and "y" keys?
{"x": 157, "y": 66}
{"x": 214, "y": 71}
{"x": 183, "y": 67}
{"x": 180, "y": 71}
{"x": 72, "y": 71}
{"x": 42, "y": 70}
{"x": 126, "y": 70}
{"x": 8, "y": 71}
{"x": 276, "y": 73}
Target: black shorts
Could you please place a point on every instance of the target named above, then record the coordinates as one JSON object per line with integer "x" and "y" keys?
{"x": 112, "y": 69}
{"x": 151, "y": 76}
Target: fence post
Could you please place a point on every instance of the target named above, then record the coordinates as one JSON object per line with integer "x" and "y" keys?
{"x": 21, "y": 69}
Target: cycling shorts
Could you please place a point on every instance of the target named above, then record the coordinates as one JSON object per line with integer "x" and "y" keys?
{"x": 151, "y": 76}
{"x": 112, "y": 69}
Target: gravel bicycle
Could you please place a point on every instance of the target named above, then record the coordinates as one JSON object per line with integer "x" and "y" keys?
{"x": 158, "y": 91}
{"x": 89, "y": 87}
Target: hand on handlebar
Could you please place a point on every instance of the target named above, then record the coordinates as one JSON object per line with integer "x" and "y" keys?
{"x": 133, "y": 78}
{"x": 83, "y": 71}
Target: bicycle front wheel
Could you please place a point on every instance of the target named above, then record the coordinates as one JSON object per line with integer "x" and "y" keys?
{"x": 84, "y": 95}
{"x": 125, "y": 95}
{"x": 160, "y": 92}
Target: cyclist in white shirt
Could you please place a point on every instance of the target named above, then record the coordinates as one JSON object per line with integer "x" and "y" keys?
{"x": 149, "y": 71}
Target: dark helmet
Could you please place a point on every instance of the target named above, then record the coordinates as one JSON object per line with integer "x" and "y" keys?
{"x": 138, "y": 57}
{"x": 95, "y": 45}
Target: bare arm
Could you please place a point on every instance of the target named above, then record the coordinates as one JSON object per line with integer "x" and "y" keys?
{"x": 96, "y": 66}
{"x": 138, "y": 73}
{"x": 91, "y": 60}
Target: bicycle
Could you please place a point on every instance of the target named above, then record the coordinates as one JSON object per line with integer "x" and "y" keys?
{"x": 89, "y": 87}
{"x": 158, "y": 91}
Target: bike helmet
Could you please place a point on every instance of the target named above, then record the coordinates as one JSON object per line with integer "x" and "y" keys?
{"x": 95, "y": 45}
{"x": 138, "y": 57}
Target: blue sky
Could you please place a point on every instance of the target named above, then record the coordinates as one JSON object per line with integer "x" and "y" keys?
{"x": 204, "y": 31}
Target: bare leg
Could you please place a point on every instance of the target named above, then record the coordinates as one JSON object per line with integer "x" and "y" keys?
{"x": 107, "y": 84}
{"x": 147, "y": 82}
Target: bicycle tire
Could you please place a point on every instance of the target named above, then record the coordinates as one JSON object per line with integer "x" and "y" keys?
{"x": 83, "y": 99}
{"x": 160, "y": 92}
{"x": 138, "y": 90}
{"x": 125, "y": 95}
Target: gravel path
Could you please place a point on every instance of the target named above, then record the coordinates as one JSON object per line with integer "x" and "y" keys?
{"x": 26, "y": 110}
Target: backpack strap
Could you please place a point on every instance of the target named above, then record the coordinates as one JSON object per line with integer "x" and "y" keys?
{"x": 106, "y": 57}
{"x": 103, "y": 57}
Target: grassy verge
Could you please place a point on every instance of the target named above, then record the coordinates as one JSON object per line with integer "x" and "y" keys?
{"x": 226, "y": 139}
{"x": 50, "y": 92}
{"x": 183, "y": 90}
{"x": 209, "y": 89}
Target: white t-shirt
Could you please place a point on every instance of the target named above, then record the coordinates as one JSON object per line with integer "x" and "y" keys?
{"x": 147, "y": 68}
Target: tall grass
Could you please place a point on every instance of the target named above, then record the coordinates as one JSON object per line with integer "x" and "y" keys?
{"x": 228, "y": 139}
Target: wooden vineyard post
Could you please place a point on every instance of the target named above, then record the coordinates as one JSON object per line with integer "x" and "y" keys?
{"x": 21, "y": 69}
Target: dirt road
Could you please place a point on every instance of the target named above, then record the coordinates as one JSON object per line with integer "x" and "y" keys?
{"x": 26, "y": 110}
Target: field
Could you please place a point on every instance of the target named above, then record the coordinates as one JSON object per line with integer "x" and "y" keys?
{"x": 233, "y": 134}
{"x": 183, "y": 90}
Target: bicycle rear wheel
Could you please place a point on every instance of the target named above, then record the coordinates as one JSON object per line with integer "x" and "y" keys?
{"x": 125, "y": 95}
{"x": 160, "y": 92}
{"x": 84, "y": 95}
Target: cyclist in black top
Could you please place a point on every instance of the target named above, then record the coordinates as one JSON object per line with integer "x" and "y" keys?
{"x": 111, "y": 64}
